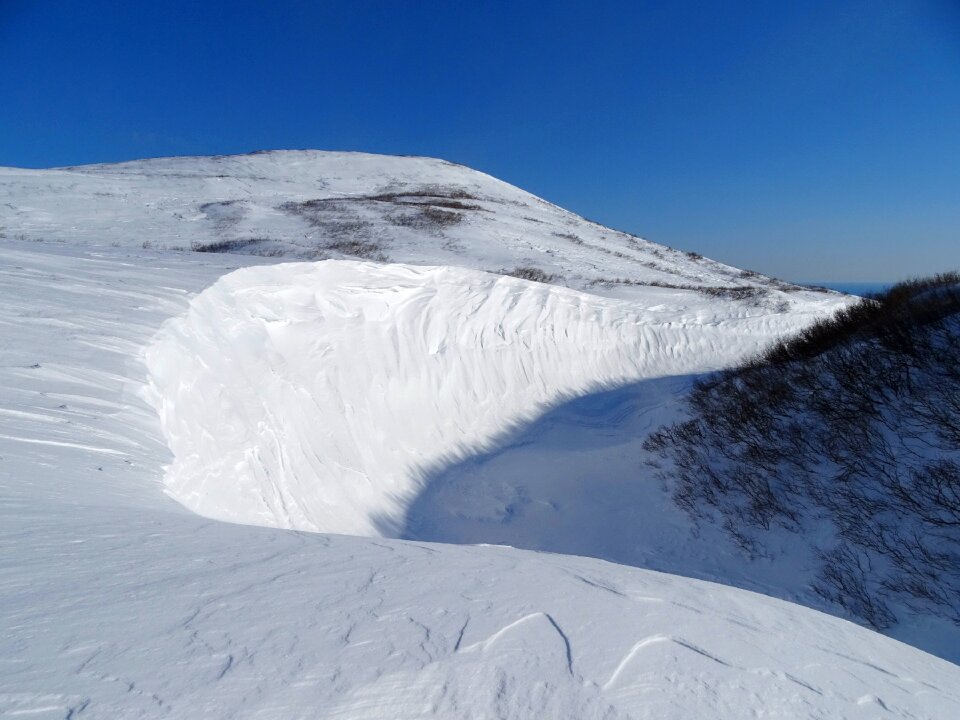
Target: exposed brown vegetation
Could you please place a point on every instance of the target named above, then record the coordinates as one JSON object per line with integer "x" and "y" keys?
{"x": 852, "y": 424}
{"x": 529, "y": 273}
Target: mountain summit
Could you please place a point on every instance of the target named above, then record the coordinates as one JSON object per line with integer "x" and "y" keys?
{"x": 312, "y": 205}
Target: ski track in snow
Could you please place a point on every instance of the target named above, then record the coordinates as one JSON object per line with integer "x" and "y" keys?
{"x": 118, "y": 602}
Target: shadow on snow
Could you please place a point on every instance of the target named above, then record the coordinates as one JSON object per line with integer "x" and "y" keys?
{"x": 570, "y": 481}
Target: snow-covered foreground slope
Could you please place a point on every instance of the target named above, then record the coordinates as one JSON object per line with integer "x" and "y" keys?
{"x": 317, "y": 396}
{"x": 117, "y": 602}
{"x": 126, "y": 614}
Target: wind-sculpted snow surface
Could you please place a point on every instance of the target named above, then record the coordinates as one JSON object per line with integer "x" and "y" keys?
{"x": 331, "y": 392}
{"x": 115, "y": 602}
{"x": 115, "y": 614}
{"x": 317, "y": 395}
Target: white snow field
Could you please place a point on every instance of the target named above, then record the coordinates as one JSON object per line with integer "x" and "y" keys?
{"x": 359, "y": 397}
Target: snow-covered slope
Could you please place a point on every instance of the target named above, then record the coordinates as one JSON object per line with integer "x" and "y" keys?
{"x": 314, "y": 205}
{"x": 116, "y": 602}
{"x": 317, "y": 395}
{"x": 363, "y": 397}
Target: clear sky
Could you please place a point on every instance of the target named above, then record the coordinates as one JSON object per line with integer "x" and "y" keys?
{"x": 809, "y": 140}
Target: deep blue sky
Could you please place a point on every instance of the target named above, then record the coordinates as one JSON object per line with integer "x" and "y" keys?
{"x": 810, "y": 140}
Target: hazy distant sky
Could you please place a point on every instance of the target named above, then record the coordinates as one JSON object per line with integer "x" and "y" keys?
{"x": 809, "y": 140}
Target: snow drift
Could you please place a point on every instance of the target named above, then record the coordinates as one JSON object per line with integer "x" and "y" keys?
{"x": 315, "y": 396}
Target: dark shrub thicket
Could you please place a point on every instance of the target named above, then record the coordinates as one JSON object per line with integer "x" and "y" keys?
{"x": 854, "y": 422}
{"x": 529, "y": 273}
{"x": 359, "y": 248}
{"x": 347, "y": 220}
{"x": 226, "y": 246}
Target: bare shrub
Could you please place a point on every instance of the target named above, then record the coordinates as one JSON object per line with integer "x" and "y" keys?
{"x": 359, "y": 248}
{"x": 270, "y": 251}
{"x": 440, "y": 217}
{"x": 734, "y": 292}
{"x": 421, "y": 200}
{"x": 426, "y": 217}
{"x": 569, "y": 236}
{"x": 853, "y": 425}
{"x": 431, "y": 191}
{"x": 529, "y": 273}
{"x": 226, "y": 246}
{"x": 429, "y": 208}
{"x": 739, "y": 292}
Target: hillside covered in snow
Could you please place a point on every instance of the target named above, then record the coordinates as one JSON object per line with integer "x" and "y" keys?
{"x": 308, "y": 205}
{"x": 151, "y": 389}
{"x": 845, "y": 437}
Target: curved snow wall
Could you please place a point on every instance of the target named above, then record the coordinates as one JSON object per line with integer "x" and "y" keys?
{"x": 316, "y": 395}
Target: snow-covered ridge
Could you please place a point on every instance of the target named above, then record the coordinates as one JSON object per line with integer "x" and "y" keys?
{"x": 316, "y": 395}
{"x": 313, "y": 205}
